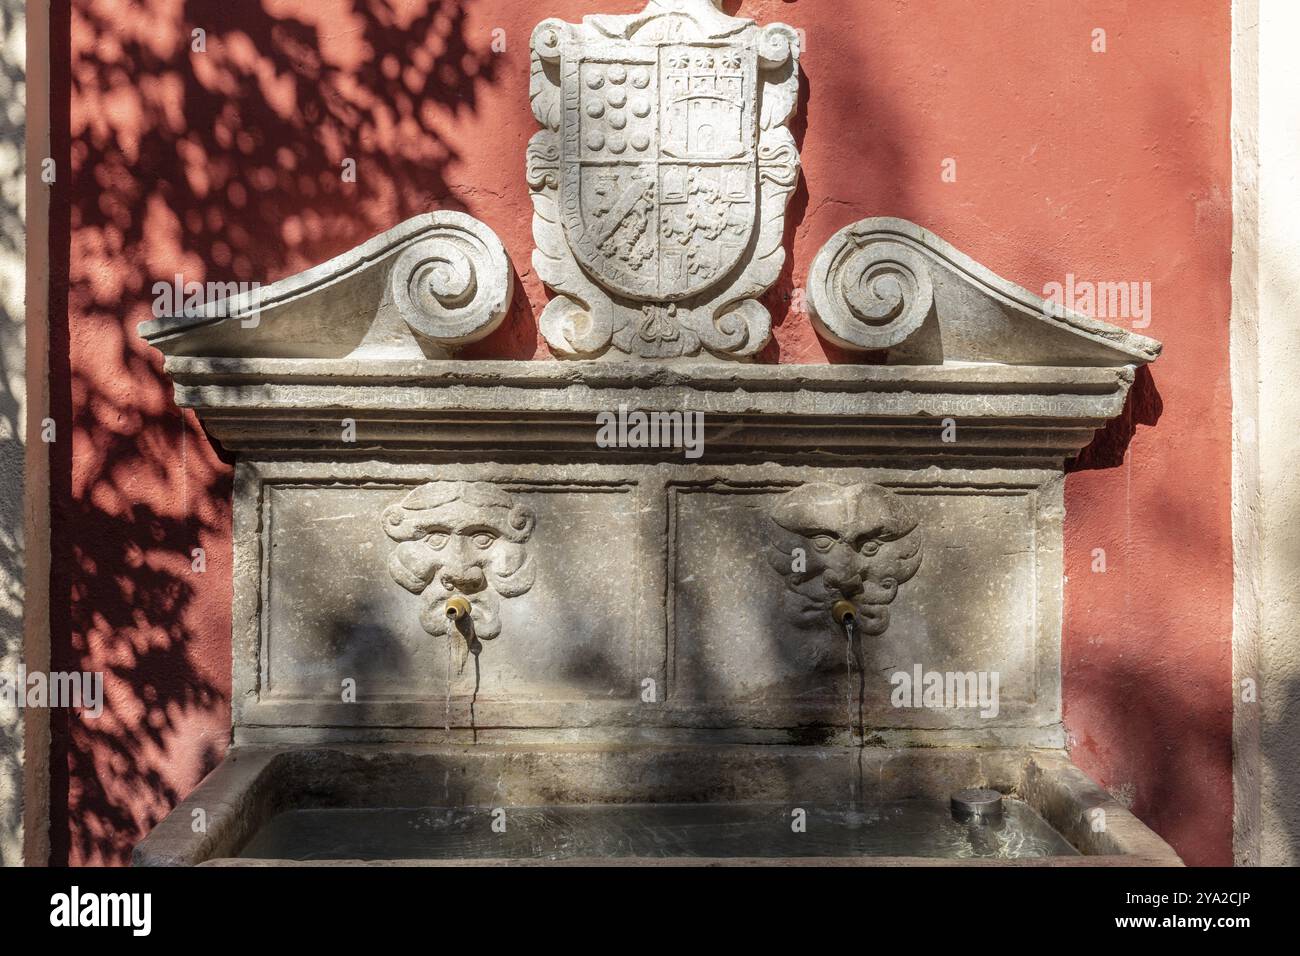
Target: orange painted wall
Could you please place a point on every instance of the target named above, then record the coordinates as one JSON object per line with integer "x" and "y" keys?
{"x": 225, "y": 165}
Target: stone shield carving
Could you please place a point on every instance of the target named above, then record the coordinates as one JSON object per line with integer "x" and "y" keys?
{"x": 661, "y": 177}
{"x": 460, "y": 539}
{"x": 855, "y": 543}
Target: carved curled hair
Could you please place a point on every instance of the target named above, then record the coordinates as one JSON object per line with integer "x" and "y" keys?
{"x": 417, "y": 513}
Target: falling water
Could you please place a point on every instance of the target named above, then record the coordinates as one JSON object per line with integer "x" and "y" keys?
{"x": 473, "y": 726}
{"x": 853, "y": 654}
{"x": 463, "y": 625}
{"x": 848, "y": 671}
{"x": 451, "y": 650}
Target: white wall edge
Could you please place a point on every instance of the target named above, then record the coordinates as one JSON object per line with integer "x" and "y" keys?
{"x": 1266, "y": 438}
{"x": 1244, "y": 343}
{"x": 1278, "y": 435}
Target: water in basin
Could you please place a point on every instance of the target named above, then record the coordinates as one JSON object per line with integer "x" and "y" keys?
{"x": 919, "y": 828}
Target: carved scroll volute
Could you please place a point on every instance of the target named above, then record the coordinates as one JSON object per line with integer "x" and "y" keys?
{"x": 454, "y": 285}
{"x": 869, "y": 291}
{"x": 843, "y": 543}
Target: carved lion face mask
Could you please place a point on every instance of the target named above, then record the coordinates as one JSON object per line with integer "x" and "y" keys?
{"x": 460, "y": 539}
{"x": 856, "y": 543}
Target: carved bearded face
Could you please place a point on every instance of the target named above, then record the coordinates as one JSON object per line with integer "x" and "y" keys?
{"x": 460, "y": 538}
{"x": 856, "y": 543}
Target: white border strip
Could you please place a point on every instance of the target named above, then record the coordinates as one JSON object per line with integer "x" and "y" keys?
{"x": 1246, "y": 547}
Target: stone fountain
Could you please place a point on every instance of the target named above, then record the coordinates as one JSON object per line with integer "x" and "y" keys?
{"x": 647, "y": 626}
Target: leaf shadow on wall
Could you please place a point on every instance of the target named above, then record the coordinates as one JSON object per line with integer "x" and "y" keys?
{"x": 220, "y": 164}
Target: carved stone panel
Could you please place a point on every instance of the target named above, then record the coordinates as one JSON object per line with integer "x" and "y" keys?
{"x": 951, "y": 586}
{"x": 618, "y": 598}
{"x": 661, "y": 178}
{"x": 345, "y": 567}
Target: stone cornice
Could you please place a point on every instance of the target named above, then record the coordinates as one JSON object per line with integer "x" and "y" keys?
{"x": 798, "y": 411}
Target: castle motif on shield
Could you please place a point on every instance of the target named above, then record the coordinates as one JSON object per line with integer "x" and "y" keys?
{"x": 660, "y": 179}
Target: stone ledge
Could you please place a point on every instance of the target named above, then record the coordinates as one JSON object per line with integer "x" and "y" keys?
{"x": 640, "y": 375}
{"x": 804, "y": 411}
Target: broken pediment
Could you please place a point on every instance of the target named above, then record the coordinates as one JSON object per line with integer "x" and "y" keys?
{"x": 888, "y": 285}
{"x": 439, "y": 281}
{"x": 660, "y": 181}
{"x": 369, "y": 338}
{"x": 422, "y": 289}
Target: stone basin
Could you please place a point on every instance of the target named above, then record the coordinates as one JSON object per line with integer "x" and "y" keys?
{"x": 647, "y": 805}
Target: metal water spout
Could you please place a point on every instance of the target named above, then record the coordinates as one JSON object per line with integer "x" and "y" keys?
{"x": 845, "y": 614}
{"x": 457, "y": 608}
{"x": 458, "y": 611}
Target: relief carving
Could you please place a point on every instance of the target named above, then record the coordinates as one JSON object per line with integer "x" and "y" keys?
{"x": 886, "y": 284}
{"x": 869, "y": 291}
{"x": 661, "y": 177}
{"x": 461, "y": 540}
{"x": 855, "y": 543}
{"x": 454, "y": 285}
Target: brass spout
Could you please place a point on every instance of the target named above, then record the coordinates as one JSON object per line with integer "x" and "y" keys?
{"x": 457, "y": 607}
{"x": 842, "y": 612}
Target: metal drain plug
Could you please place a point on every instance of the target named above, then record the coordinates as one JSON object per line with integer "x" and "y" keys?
{"x": 977, "y": 805}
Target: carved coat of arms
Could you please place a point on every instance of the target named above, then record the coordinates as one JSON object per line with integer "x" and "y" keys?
{"x": 660, "y": 179}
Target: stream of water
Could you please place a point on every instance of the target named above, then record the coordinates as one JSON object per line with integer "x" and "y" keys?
{"x": 852, "y": 656}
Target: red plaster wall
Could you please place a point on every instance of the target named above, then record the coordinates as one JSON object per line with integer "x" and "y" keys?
{"x": 225, "y": 165}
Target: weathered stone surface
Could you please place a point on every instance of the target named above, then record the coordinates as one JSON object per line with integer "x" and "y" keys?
{"x": 660, "y": 178}
{"x": 821, "y": 413}
{"x": 634, "y": 594}
{"x": 637, "y": 597}
{"x": 889, "y": 285}
{"x": 422, "y": 289}
{"x": 661, "y": 573}
{"x": 343, "y": 599}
